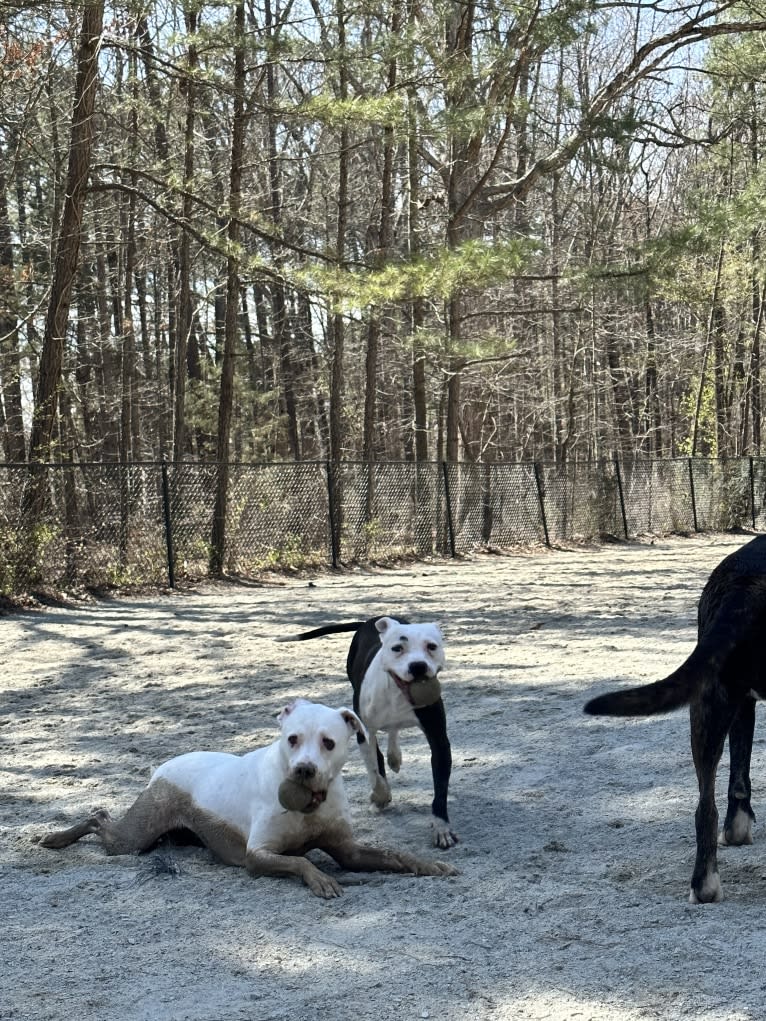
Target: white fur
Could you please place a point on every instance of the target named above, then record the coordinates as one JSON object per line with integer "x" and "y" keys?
{"x": 232, "y": 803}
{"x": 382, "y": 704}
{"x": 242, "y": 790}
{"x": 741, "y": 829}
{"x": 712, "y": 891}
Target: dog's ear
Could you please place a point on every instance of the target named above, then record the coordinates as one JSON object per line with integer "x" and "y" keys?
{"x": 383, "y": 624}
{"x": 286, "y": 710}
{"x": 354, "y": 722}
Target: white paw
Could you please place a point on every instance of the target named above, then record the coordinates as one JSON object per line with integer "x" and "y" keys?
{"x": 381, "y": 795}
{"x": 739, "y": 832}
{"x": 710, "y": 892}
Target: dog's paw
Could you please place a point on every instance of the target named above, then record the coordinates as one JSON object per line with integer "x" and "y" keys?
{"x": 709, "y": 891}
{"x": 738, "y": 830}
{"x": 443, "y": 836}
{"x": 55, "y": 840}
{"x": 442, "y": 868}
{"x": 381, "y": 795}
{"x": 422, "y": 867}
{"x": 322, "y": 885}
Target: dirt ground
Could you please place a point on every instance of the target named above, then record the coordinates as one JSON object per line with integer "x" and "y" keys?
{"x": 577, "y": 835}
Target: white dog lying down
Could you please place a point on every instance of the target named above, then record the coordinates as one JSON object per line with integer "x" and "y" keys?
{"x": 236, "y": 805}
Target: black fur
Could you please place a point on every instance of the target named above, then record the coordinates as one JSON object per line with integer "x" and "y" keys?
{"x": 432, "y": 718}
{"x": 727, "y": 665}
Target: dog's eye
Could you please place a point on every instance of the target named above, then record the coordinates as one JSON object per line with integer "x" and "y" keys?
{"x": 292, "y": 740}
{"x": 328, "y": 743}
{"x": 432, "y": 646}
{"x": 396, "y": 648}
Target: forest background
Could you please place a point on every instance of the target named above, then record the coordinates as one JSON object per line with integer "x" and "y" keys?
{"x": 415, "y": 229}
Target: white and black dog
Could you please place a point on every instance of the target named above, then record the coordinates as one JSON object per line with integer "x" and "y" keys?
{"x": 720, "y": 682}
{"x": 388, "y": 661}
{"x": 244, "y": 807}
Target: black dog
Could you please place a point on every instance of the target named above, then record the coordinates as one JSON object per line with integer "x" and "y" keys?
{"x": 393, "y": 667}
{"x": 720, "y": 681}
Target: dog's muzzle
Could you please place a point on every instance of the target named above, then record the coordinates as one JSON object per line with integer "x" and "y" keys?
{"x": 295, "y": 796}
{"x": 421, "y": 691}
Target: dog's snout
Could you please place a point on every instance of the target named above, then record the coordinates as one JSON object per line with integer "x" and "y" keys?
{"x": 305, "y": 771}
{"x": 419, "y": 668}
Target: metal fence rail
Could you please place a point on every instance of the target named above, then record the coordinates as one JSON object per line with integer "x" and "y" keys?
{"x": 150, "y": 523}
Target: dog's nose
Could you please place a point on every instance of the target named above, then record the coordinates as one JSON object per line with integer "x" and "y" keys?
{"x": 419, "y": 668}
{"x": 305, "y": 771}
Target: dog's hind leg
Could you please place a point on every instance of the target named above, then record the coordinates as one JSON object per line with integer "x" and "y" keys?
{"x": 738, "y": 827}
{"x": 151, "y": 815}
{"x": 711, "y": 717}
{"x": 63, "y": 838}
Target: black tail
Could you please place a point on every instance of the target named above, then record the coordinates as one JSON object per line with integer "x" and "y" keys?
{"x": 731, "y": 613}
{"x": 320, "y": 632}
{"x": 661, "y": 697}
{"x": 673, "y": 691}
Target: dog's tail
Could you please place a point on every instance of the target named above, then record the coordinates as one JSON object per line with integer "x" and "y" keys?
{"x": 660, "y": 697}
{"x": 320, "y": 632}
{"x": 677, "y": 689}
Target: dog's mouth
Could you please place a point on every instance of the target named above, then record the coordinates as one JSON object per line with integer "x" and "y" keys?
{"x": 420, "y": 691}
{"x": 317, "y": 798}
{"x": 295, "y": 796}
{"x": 404, "y": 685}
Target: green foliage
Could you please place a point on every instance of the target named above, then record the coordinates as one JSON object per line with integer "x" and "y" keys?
{"x": 707, "y": 442}
{"x": 471, "y": 266}
{"x": 26, "y": 557}
{"x": 735, "y": 58}
{"x": 385, "y": 111}
{"x": 291, "y": 555}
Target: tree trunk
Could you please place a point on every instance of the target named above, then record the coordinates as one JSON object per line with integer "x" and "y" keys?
{"x": 14, "y": 445}
{"x": 225, "y": 404}
{"x": 281, "y": 332}
{"x": 464, "y": 152}
{"x": 185, "y": 310}
{"x": 417, "y": 307}
{"x": 379, "y": 256}
{"x": 130, "y": 416}
{"x": 336, "y": 325}
{"x": 70, "y": 234}
{"x": 653, "y": 411}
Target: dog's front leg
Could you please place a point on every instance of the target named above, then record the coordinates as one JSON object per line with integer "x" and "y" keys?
{"x": 433, "y": 721}
{"x": 376, "y": 769}
{"x": 261, "y": 862}
{"x": 363, "y": 858}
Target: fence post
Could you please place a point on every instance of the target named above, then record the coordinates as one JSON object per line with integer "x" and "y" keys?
{"x": 168, "y": 526}
{"x": 448, "y": 508}
{"x": 618, "y": 475}
{"x": 693, "y": 496}
{"x": 541, "y": 501}
{"x": 334, "y": 552}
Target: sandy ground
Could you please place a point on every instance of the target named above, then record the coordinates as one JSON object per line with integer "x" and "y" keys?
{"x": 577, "y": 835}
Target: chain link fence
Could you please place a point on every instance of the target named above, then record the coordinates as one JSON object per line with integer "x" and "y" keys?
{"x": 68, "y": 526}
